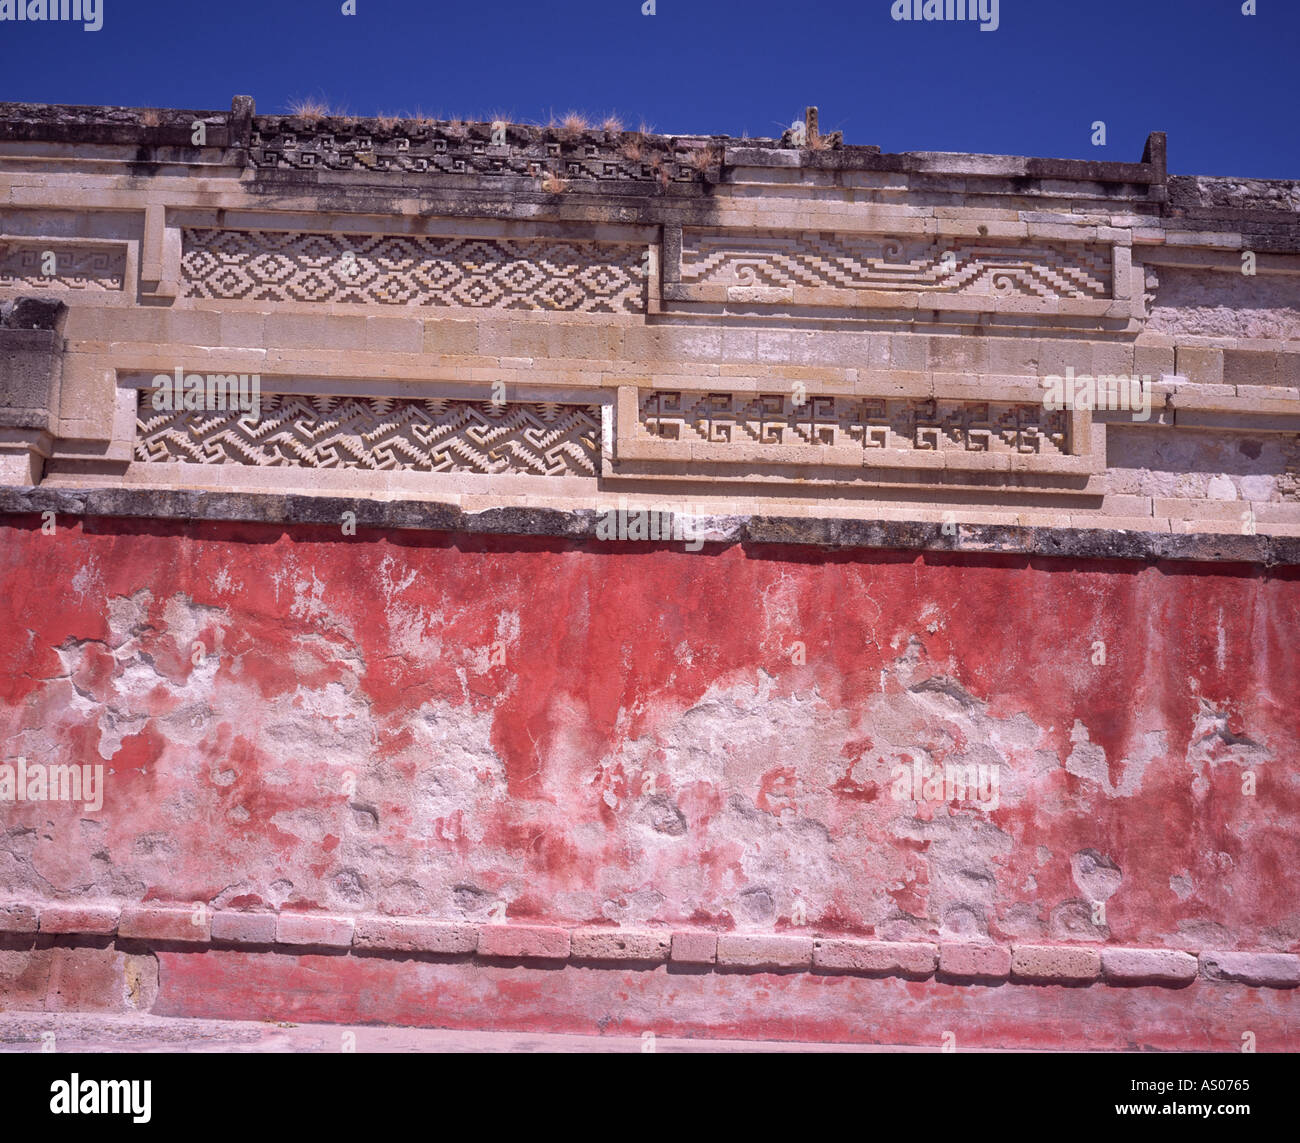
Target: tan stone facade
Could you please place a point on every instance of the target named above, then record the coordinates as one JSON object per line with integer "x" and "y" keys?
{"x": 586, "y": 320}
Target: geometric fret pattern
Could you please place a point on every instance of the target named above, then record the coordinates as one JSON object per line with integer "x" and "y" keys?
{"x": 863, "y": 262}
{"x": 481, "y": 273}
{"x": 447, "y": 150}
{"x": 538, "y": 438}
{"x": 866, "y": 422}
{"x": 74, "y": 268}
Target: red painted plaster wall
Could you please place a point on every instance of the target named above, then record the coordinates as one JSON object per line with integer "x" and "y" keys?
{"x": 423, "y": 724}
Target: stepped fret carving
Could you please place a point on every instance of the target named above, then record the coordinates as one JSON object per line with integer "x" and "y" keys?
{"x": 542, "y": 439}
{"x": 869, "y": 423}
{"x": 853, "y": 262}
{"x": 49, "y": 267}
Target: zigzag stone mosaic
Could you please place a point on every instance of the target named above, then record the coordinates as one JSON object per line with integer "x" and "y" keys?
{"x": 542, "y": 439}
{"x": 479, "y": 273}
{"x": 872, "y": 423}
{"x": 73, "y": 268}
{"x": 847, "y": 261}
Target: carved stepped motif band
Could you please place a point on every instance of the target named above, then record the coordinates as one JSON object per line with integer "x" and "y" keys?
{"x": 870, "y": 423}
{"x": 851, "y": 432}
{"x": 780, "y": 263}
{"x": 62, "y": 265}
{"x": 543, "y": 439}
{"x": 469, "y": 150}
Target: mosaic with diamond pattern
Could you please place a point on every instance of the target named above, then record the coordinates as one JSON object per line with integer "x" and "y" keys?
{"x": 479, "y": 273}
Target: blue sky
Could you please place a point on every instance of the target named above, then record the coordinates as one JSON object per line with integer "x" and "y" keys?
{"x": 1225, "y": 86}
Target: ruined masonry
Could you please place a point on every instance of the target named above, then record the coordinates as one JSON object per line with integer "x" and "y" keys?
{"x": 738, "y": 588}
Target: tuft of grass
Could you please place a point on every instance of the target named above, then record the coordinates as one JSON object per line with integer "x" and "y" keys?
{"x": 819, "y": 143}
{"x": 151, "y": 117}
{"x": 311, "y": 109}
{"x": 612, "y": 125}
{"x": 573, "y": 125}
{"x": 660, "y": 170}
{"x": 419, "y": 121}
{"x": 634, "y": 148}
{"x": 705, "y": 158}
{"x": 387, "y": 122}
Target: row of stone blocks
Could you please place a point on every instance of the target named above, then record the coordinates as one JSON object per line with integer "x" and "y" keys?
{"x": 755, "y": 952}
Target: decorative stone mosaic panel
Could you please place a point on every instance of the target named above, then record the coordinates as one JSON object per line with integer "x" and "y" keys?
{"x": 480, "y": 273}
{"x": 447, "y": 149}
{"x": 869, "y": 423}
{"x": 860, "y": 262}
{"x": 75, "y": 267}
{"x": 542, "y": 439}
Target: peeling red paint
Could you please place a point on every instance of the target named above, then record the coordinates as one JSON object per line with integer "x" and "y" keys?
{"x": 435, "y": 724}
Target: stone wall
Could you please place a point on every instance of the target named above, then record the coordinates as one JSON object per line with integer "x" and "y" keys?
{"x": 656, "y": 590}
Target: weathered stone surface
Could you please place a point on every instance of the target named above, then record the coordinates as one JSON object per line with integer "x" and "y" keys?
{"x": 187, "y": 925}
{"x": 1055, "y": 964}
{"x": 620, "y": 944}
{"x": 32, "y": 313}
{"x": 1063, "y": 262}
{"x": 534, "y": 942}
{"x": 753, "y": 950}
{"x": 313, "y": 929}
{"x": 100, "y": 980}
{"x": 16, "y": 917}
{"x": 89, "y": 920}
{"x": 404, "y": 934}
{"x": 884, "y": 958}
{"x": 974, "y": 961}
{"x": 582, "y": 524}
{"x": 1142, "y": 966}
{"x": 695, "y": 947}
{"x": 386, "y": 655}
{"x": 1273, "y": 970}
{"x": 244, "y": 928}
{"x": 29, "y": 371}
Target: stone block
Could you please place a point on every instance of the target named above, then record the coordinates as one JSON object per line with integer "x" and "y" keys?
{"x": 1147, "y": 966}
{"x": 695, "y": 947}
{"x": 410, "y": 934}
{"x": 974, "y": 961}
{"x": 536, "y": 942}
{"x": 1055, "y": 964}
{"x": 884, "y": 958}
{"x": 17, "y": 918}
{"x": 315, "y": 929}
{"x": 29, "y": 377}
{"x": 1200, "y": 366}
{"x": 758, "y": 951}
{"x": 1271, "y": 970}
{"x": 620, "y": 944}
{"x": 244, "y": 928}
{"x": 186, "y": 925}
{"x": 83, "y": 920}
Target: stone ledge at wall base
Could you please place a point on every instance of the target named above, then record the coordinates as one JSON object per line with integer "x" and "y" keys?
{"x": 969, "y": 962}
{"x": 584, "y": 524}
{"x": 54, "y": 957}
